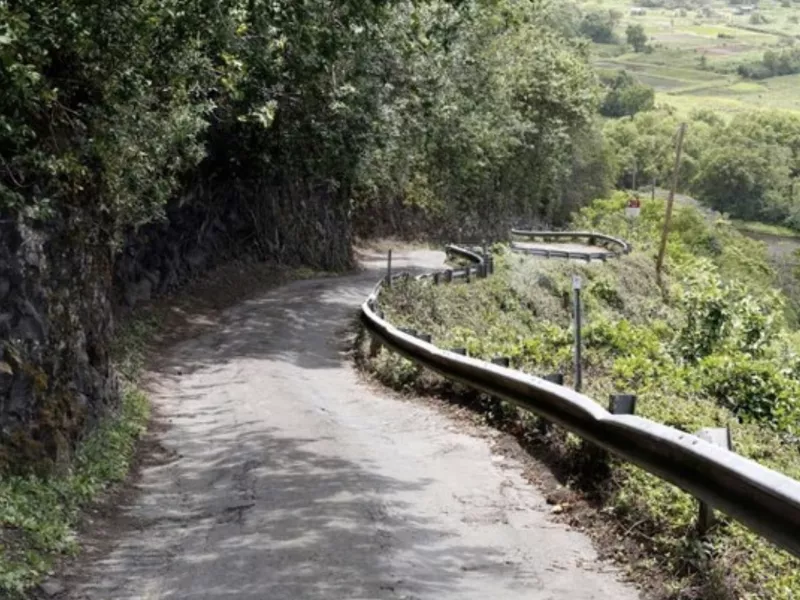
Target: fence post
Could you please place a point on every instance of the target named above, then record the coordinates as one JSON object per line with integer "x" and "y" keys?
{"x": 721, "y": 436}
{"x": 374, "y": 346}
{"x": 389, "y": 269}
{"x": 558, "y": 379}
{"x": 622, "y": 404}
{"x": 576, "y": 286}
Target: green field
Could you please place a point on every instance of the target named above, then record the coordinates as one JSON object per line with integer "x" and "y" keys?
{"x": 696, "y": 52}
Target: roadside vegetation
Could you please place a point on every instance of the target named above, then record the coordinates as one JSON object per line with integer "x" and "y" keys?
{"x": 746, "y": 167}
{"x": 710, "y": 350}
{"x": 41, "y": 511}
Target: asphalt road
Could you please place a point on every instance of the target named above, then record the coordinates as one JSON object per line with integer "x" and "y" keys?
{"x": 294, "y": 480}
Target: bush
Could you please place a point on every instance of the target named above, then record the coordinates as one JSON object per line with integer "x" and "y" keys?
{"x": 626, "y": 97}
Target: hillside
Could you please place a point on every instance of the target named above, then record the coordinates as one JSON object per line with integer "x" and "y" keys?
{"x": 710, "y": 350}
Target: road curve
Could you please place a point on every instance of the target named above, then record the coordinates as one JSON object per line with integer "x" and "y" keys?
{"x": 562, "y": 246}
{"x": 293, "y": 480}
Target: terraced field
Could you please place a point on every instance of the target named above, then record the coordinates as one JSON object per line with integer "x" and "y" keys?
{"x": 695, "y": 55}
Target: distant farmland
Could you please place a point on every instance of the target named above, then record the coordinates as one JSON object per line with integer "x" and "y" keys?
{"x": 696, "y": 53}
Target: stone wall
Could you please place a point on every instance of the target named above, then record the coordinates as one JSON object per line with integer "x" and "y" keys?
{"x": 59, "y": 294}
{"x": 55, "y": 326}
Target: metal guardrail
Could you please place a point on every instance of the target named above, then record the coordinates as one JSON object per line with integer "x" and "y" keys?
{"x": 762, "y": 499}
{"x": 615, "y": 246}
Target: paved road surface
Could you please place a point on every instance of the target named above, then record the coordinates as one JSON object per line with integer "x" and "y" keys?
{"x": 295, "y": 481}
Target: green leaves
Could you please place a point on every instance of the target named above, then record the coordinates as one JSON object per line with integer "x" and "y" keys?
{"x": 38, "y": 515}
{"x": 483, "y": 104}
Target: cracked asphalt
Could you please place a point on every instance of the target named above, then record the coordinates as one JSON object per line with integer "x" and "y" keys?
{"x": 290, "y": 479}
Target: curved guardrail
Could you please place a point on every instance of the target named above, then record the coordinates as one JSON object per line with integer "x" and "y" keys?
{"x": 614, "y": 245}
{"x": 764, "y": 500}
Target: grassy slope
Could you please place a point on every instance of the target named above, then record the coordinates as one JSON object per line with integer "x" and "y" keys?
{"x": 523, "y": 312}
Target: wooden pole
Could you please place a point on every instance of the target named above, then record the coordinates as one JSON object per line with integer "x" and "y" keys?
{"x": 670, "y": 200}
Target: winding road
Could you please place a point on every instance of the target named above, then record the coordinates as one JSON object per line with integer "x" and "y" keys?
{"x": 292, "y": 479}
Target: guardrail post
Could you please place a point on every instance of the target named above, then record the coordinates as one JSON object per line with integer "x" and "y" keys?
{"x": 461, "y": 351}
{"x": 721, "y": 436}
{"x": 467, "y": 274}
{"x": 425, "y": 337}
{"x": 618, "y": 404}
{"x": 389, "y": 269}
{"x": 374, "y": 346}
{"x": 622, "y": 404}
{"x": 502, "y": 361}
{"x": 576, "y": 286}
{"x": 436, "y": 277}
{"x": 448, "y": 275}
{"x": 558, "y": 379}
{"x": 490, "y": 258}
{"x": 408, "y": 331}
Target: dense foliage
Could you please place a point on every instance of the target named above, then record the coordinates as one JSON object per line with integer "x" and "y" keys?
{"x": 599, "y": 26}
{"x": 747, "y": 167}
{"x": 109, "y": 111}
{"x": 625, "y": 96}
{"x": 712, "y": 350}
{"x": 480, "y": 112}
{"x": 774, "y": 63}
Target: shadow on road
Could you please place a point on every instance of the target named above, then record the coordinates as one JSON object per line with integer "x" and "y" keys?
{"x": 257, "y": 515}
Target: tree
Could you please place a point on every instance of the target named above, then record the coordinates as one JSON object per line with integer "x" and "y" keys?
{"x": 599, "y": 27}
{"x": 477, "y": 126}
{"x": 742, "y": 177}
{"x": 648, "y": 138}
{"x": 626, "y": 97}
{"x": 636, "y": 37}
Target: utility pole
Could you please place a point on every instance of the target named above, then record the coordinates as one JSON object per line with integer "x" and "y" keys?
{"x": 670, "y": 201}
